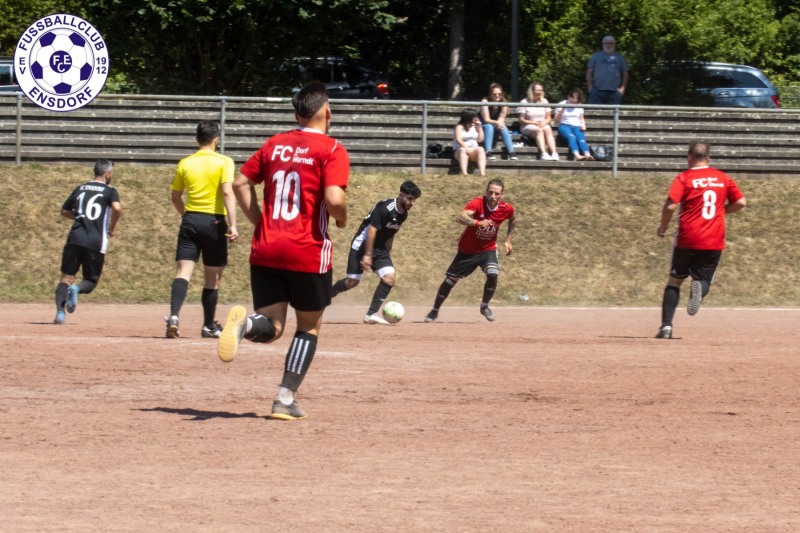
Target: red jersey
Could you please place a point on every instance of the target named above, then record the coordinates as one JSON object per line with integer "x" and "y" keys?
{"x": 295, "y": 167}
{"x": 702, "y": 193}
{"x": 476, "y": 239}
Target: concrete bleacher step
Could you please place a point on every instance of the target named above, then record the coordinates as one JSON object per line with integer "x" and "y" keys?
{"x": 160, "y": 130}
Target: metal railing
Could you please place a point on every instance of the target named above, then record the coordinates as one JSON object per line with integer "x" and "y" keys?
{"x": 426, "y": 108}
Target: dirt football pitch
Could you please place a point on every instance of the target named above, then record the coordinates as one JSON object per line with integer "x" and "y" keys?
{"x": 549, "y": 419}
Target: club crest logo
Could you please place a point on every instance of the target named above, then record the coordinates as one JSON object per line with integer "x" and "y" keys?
{"x": 61, "y": 62}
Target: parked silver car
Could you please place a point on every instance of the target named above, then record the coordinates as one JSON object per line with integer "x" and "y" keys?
{"x": 699, "y": 83}
{"x": 737, "y": 86}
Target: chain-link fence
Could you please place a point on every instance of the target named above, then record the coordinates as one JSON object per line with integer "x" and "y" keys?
{"x": 790, "y": 96}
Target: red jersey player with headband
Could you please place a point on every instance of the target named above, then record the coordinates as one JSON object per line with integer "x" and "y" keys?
{"x": 477, "y": 246}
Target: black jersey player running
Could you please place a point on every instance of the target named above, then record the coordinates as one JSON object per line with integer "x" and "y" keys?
{"x": 372, "y": 246}
{"x": 95, "y": 209}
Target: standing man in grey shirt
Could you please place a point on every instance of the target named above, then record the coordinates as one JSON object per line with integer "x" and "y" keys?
{"x": 607, "y": 74}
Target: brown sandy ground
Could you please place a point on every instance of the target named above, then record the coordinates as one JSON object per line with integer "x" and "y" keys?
{"x": 549, "y": 419}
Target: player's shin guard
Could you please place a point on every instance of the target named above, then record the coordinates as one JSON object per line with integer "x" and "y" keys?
{"x": 443, "y": 292}
{"x": 61, "y": 295}
{"x": 209, "y": 300}
{"x": 489, "y": 288}
{"x": 86, "y": 286}
{"x": 671, "y": 297}
{"x": 180, "y": 287}
{"x": 381, "y": 292}
{"x": 261, "y": 329}
{"x": 298, "y": 359}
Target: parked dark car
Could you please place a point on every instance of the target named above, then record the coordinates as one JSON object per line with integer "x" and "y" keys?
{"x": 8, "y": 83}
{"x": 344, "y": 77}
{"x": 713, "y": 84}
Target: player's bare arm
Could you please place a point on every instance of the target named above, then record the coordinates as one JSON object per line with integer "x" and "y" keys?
{"x": 465, "y": 218}
{"x": 230, "y": 206}
{"x": 735, "y": 206}
{"x": 116, "y": 212}
{"x": 336, "y": 202}
{"x": 67, "y": 213}
{"x": 512, "y": 224}
{"x": 369, "y": 245}
{"x": 666, "y": 215}
{"x": 245, "y": 194}
{"x": 177, "y": 201}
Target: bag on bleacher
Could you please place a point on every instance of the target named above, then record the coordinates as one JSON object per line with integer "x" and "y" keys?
{"x": 602, "y": 152}
{"x": 433, "y": 151}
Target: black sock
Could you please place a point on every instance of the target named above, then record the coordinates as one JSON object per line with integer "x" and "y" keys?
{"x": 381, "y": 292}
{"x": 86, "y": 286}
{"x": 298, "y": 359}
{"x": 61, "y": 295}
{"x": 671, "y": 297}
{"x": 443, "y": 292}
{"x": 338, "y": 287}
{"x": 180, "y": 287}
{"x": 209, "y": 301}
{"x": 262, "y": 329}
{"x": 706, "y": 285}
{"x": 488, "y": 289}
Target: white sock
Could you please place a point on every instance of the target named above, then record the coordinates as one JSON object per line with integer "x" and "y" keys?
{"x": 285, "y": 396}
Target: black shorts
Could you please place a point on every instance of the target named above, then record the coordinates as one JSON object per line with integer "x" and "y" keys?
{"x": 700, "y": 264}
{"x": 74, "y": 258}
{"x": 380, "y": 259}
{"x": 465, "y": 264}
{"x": 204, "y": 234}
{"x": 303, "y": 290}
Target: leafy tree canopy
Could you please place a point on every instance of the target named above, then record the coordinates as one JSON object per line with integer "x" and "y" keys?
{"x": 238, "y": 46}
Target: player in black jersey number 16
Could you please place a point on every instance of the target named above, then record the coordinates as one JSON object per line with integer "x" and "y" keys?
{"x": 95, "y": 209}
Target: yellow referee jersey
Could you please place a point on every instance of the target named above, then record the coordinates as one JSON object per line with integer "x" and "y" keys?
{"x": 201, "y": 176}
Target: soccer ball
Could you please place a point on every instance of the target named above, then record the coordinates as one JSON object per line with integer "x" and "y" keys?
{"x": 61, "y": 61}
{"x": 393, "y": 312}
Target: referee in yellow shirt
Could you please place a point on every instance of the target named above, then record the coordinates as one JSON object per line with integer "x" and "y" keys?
{"x": 206, "y": 177}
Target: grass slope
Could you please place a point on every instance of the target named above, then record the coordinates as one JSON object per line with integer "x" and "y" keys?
{"x": 581, "y": 240}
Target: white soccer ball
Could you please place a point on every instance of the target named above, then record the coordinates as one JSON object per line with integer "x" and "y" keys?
{"x": 61, "y": 61}
{"x": 393, "y": 312}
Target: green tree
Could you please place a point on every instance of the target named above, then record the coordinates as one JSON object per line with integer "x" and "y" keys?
{"x": 210, "y": 47}
{"x": 17, "y": 15}
{"x": 239, "y": 46}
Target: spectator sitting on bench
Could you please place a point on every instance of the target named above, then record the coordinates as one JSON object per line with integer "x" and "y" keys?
{"x": 467, "y": 136}
{"x": 572, "y": 124}
{"x": 494, "y": 120}
{"x": 535, "y": 122}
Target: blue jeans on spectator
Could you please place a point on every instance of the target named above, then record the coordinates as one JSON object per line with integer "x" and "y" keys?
{"x": 488, "y": 138}
{"x": 596, "y": 96}
{"x": 574, "y": 137}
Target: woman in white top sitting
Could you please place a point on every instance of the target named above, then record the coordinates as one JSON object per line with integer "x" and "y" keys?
{"x": 467, "y": 139}
{"x": 535, "y": 122}
{"x": 572, "y": 124}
